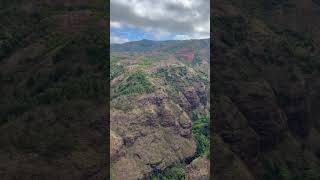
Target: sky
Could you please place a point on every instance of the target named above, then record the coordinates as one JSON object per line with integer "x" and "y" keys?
{"x": 132, "y": 20}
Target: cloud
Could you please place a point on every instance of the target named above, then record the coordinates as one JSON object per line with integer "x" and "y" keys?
{"x": 118, "y": 40}
{"x": 190, "y": 18}
{"x": 193, "y": 36}
{"x": 181, "y": 37}
{"x": 115, "y": 24}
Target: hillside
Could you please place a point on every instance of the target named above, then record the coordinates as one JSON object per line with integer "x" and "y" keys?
{"x": 266, "y": 68}
{"x": 53, "y": 89}
{"x": 160, "y": 109}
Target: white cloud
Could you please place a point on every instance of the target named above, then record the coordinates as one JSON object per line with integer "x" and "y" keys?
{"x": 118, "y": 40}
{"x": 115, "y": 24}
{"x": 181, "y": 37}
{"x": 190, "y": 18}
{"x": 186, "y": 37}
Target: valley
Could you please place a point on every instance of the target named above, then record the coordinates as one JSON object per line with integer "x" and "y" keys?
{"x": 160, "y": 110}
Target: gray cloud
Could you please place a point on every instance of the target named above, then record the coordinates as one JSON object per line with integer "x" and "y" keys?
{"x": 190, "y": 18}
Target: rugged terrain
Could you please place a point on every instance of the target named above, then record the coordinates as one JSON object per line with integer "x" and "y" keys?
{"x": 160, "y": 110}
{"x": 53, "y": 89}
{"x": 266, "y": 91}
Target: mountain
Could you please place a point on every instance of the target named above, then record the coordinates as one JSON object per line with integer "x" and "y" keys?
{"x": 163, "y": 46}
{"x": 53, "y": 90}
{"x": 160, "y": 110}
{"x": 266, "y": 67}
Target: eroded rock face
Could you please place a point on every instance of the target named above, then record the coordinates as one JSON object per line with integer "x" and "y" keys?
{"x": 154, "y": 138}
{"x": 153, "y": 117}
{"x": 191, "y": 94}
{"x": 116, "y": 143}
{"x": 199, "y": 169}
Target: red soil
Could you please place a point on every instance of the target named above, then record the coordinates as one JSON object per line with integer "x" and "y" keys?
{"x": 186, "y": 54}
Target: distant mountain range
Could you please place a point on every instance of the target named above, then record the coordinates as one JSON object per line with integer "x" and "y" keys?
{"x": 149, "y": 45}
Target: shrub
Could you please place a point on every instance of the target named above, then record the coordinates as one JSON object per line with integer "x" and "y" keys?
{"x": 148, "y": 61}
{"x": 174, "y": 173}
{"x": 115, "y": 70}
{"x": 136, "y": 83}
{"x": 200, "y": 131}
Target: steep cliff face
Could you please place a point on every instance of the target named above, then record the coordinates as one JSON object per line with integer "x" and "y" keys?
{"x": 155, "y": 96}
{"x": 265, "y": 77}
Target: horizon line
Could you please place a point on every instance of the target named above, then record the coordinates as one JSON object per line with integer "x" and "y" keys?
{"x": 159, "y": 40}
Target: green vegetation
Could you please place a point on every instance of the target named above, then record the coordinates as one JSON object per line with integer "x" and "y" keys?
{"x": 123, "y": 104}
{"x": 197, "y": 58}
{"x": 282, "y": 172}
{"x": 115, "y": 59}
{"x": 200, "y": 131}
{"x": 176, "y": 172}
{"x": 176, "y": 77}
{"x": 173, "y": 73}
{"x": 135, "y": 83}
{"x": 116, "y": 70}
{"x": 149, "y": 60}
